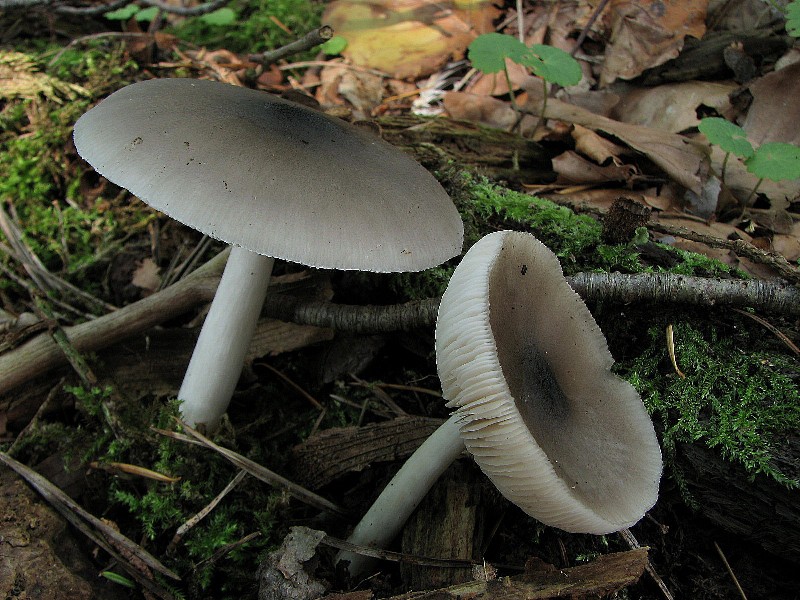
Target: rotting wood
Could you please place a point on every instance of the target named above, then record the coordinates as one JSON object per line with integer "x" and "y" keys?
{"x": 757, "y": 509}
{"x": 490, "y": 152}
{"x": 331, "y": 453}
{"x": 447, "y": 524}
{"x": 602, "y": 577}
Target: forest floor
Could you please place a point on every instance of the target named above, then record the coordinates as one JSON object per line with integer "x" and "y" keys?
{"x": 335, "y": 403}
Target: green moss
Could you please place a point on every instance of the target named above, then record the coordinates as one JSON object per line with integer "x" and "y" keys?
{"x": 739, "y": 395}
{"x": 256, "y": 27}
{"x": 574, "y": 238}
{"x": 40, "y": 176}
{"x": 567, "y": 234}
{"x": 701, "y": 265}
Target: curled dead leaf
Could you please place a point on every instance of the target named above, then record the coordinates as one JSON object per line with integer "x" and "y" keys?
{"x": 648, "y": 33}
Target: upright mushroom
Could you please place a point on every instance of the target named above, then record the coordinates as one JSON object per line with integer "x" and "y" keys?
{"x": 274, "y": 179}
{"x": 527, "y": 369}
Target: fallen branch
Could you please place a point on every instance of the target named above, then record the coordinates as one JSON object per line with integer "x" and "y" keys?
{"x": 313, "y": 38}
{"x": 738, "y": 247}
{"x": 41, "y": 354}
{"x": 599, "y": 578}
{"x": 108, "y": 538}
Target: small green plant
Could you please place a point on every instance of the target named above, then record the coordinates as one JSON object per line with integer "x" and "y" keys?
{"x": 334, "y": 46}
{"x": 118, "y": 579}
{"x": 132, "y": 10}
{"x": 776, "y": 161}
{"x": 728, "y": 136}
{"x": 221, "y": 16}
{"x": 247, "y": 26}
{"x": 792, "y": 12}
{"x": 489, "y": 52}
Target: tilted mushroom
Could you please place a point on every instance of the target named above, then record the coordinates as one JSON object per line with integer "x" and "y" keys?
{"x": 275, "y": 180}
{"x": 527, "y": 369}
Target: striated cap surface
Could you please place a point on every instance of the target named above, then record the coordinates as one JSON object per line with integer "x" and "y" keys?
{"x": 272, "y": 176}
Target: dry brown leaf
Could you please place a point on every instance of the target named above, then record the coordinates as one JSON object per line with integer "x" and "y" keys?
{"x": 572, "y": 168}
{"x": 146, "y": 276}
{"x": 408, "y": 39}
{"x": 600, "y": 199}
{"x": 774, "y": 114}
{"x": 787, "y": 245}
{"x": 596, "y": 147}
{"x": 648, "y": 33}
{"x": 714, "y": 228}
{"x": 495, "y": 84}
{"x": 672, "y": 107}
{"x": 364, "y": 91}
{"x": 485, "y": 110}
{"x": 682, "y": 159}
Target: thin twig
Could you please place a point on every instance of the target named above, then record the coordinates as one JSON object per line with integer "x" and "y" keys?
{"x": 310, "y": 40}
{"x": 101, "y": 534}
{"x": 425, "y": 561}
{"x": 223, "y": 550}
{"x": 33, "y": 424}
{"x": 184, "y": 529}
{"x": 777, "y": 332}
{"x": 628, "y": 536}
{"x": 585, "y": 31}
{"x": 74, "y": 358}
{"x": 381, "y": 395}
{"x": 738, "y": 247}
{"x": 267, "y": 476}
{"x": 730, "y": 571}
{"x": 38, "y": 273}
{"x": 311, "y": 400}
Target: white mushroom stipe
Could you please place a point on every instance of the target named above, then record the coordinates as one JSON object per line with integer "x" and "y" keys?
{"x": 527, "y": 368}
{"x": 387, "y": 515}
{"x": 232, "y": 317}
{"x": 271, "y": 177}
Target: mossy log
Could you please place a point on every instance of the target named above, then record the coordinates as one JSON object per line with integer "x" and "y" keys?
{"x": 494, "y": 153}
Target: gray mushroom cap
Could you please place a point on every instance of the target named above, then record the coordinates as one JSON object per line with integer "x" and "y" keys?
{"x": 274, "y": 177}
{"x": 527, "y": 368}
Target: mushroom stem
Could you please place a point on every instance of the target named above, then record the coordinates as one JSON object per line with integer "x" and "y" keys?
{"x": 405, "y": 491}
{"x": 218, "y": 357}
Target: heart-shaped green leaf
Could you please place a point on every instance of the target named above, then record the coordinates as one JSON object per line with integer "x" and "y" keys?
{"x": 488, "y": 52}
{"x": 555, "y": 65}
{"x": 728, "y": 136}
{"x": 775, "y": 161}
